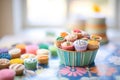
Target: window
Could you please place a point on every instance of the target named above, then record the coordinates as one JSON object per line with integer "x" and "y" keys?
{"x": 44, "y": 13}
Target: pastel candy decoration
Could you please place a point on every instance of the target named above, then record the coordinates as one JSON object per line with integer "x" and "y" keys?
{"x": 21, "y": 47}
{"x": 18, "y": 68}
{"x": 80, "y": 45}
{"x": 5, "y": 55}
{"x": 43, "y": 46}
{"x": 71, "y": 37}
{"x": 63, "y": 34}
{"x": 42, "y": 52}
{"x": 15, "y": 52}
{"x": 7, "y": 74}
{"x": 16, "y": 61}
{"x": 3, "y": 50}
{"x": 31, "y": 49}
{"x": 67, "y": 46}
{"x": 30, "y": 63}
{"x": 59, "y": 41}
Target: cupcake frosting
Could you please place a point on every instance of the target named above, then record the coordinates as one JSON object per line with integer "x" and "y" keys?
{"x": 77, "y": 31}
{"x": 27, "y": 55}
{"x": 16, "y": 61}
{"x": 67, "y": 43}
{"x": 4, "y": 61}
{"x": 81, "y": 42}
{"x": 63, "y": 34}
{"x": 14, "y": 51}
{"x": 42, "y": 52}
{"x": 30, "y": 60}
{"x": 5, "y": 55}
{"x": 71, "y": 37}
{"x": 60, "y": 39}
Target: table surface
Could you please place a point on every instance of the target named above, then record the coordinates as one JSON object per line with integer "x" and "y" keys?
{"x": 106, "y": 67}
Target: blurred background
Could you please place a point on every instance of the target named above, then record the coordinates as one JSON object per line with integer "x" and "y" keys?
{"x": 32, "y": 17}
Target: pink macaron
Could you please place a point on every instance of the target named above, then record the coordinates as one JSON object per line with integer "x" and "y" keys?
{"x": 31, "y": 49}
{"x": 7, "y": 74}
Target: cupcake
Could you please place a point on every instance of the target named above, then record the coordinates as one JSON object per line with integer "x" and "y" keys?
{"x": 58, "y": 41}
{"x": 31, "y": 49}
{"x": 7, "y": 74}
{"x": 4, "y": 63}
{"x": 80, "y": 45}
{"x": 85, "y": 34}
{"x": 16, "y": 61}
{"x": 67, "y": 46}
{"x": 63, "y": 34}
{"x": 21, "y": 47}
{"x": 18, "y": 68}
{"x": 15, "y": 53}
{"x": 71, "y": 37}
{"x": 42, "y": 59}
{"x": 42, "y": 52}
{"x": 5, "y": 55}
{"x": 77, "y": 32}
{"x": 93, "y": 44}
{"x": 27, "y": 55}
{"x": 30, "y": 63}
{"x": 95, "y": 37}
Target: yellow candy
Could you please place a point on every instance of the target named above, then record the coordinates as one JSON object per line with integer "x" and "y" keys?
{"x": 16, "y": 61}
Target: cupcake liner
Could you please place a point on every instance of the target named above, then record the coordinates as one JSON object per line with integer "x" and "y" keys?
{"x": 76, "y": 58}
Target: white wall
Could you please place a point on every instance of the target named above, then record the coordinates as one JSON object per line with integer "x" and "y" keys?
{"x": 6, "y": 18}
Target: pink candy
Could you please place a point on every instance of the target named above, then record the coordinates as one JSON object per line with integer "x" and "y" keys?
{"x": 7, "y": 74}
{"x": 31, "y": 49}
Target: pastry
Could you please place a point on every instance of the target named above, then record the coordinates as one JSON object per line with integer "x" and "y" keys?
{"x": 63, "y": 34}
{"x": 53, "y": 50}
{"x": 93, "y": 44}
{"x": 30, "y": 63}
{"x": 67, "y": 46}
{"x": 31, "y": 49}
{"x": 27, "y": 55}
{"x": 5, "y": 55}
{"x": 42, "y": 59}
{"x": 18, "y": 68}
{"x": 43, "y": 46}
{"x": 42, "y": 52}
{"x": 16, "y": 61}
{"x": 59, "y": 40}
{"x": 77, "y": 32}
{"x": 21, "y": 47}
{"x": 7, "y": 74}
{"x": 4, "y": 63}
{"x": 80, "y": 45}
{"x": 95, "y": 37}
{"x": 3, "y": 50}
{"x": 15, "y": 53}
{"x": 71, "y": 37}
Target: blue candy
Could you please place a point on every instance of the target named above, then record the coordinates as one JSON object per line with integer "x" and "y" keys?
{"x": 5, "y": 55}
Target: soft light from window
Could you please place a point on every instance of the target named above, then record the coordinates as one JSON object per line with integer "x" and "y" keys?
{"x": 46, "y": 12}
